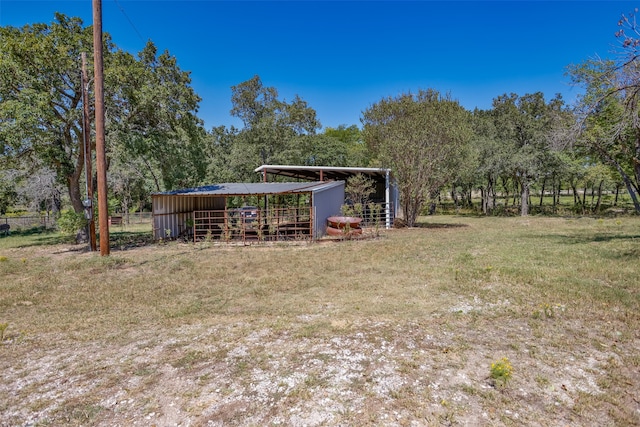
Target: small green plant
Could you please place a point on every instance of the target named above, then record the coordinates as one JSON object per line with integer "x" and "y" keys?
{"x": 3, "y": 327}
{"x": 374, "y": 216}
{"x": 358, "y": 189}
{"x": 167, "y": 233}
{"x": 226, "y": 231}
{"x": 501, "y": 372}
{"x": 358, "y": 209}
{"x": 547, "y": 311}
{"x": 347, "y": 210}
{"x": 189, "y": 223}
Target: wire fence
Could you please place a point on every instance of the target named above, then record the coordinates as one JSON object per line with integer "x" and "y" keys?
{"x": 27, "y": 222}
{"x": 130, "y": 218}
{"x": 49, "y": 221}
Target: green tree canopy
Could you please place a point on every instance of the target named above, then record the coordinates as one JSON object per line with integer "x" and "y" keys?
{"x": 419, "y": 137}
{"x": 273, "y": 129}
{"x": 149, "y": 105}
{"x": 353, "y": 141}
{"x": 609, "y": 109}
{"x": 525, "y": 125}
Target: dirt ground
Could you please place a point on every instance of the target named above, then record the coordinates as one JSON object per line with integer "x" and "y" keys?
{"x": 371, "y": 373}
{"x": 320, "y": 369}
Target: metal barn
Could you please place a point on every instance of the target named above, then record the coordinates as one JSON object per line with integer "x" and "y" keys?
{"x": 282, "y": 211}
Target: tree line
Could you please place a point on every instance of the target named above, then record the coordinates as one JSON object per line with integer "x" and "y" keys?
{"x": 156, "y": 141}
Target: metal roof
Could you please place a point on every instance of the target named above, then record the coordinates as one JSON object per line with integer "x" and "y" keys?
{"x": 244, "y": 189}
{"x": 327, "y": 172}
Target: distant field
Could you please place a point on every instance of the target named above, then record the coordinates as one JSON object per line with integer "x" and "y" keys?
{"x": 565, "y": 205}
{"x": 401, "y": 330}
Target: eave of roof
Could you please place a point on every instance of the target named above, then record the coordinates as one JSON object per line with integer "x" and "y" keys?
{"x": 250, "y": 189}
{"x": 328, "y": 172}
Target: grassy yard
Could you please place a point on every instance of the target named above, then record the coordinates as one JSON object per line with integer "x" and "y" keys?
{"x": 401, "y": 330}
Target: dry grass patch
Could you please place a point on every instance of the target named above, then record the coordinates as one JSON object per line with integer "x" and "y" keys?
{"x": 400, "y": 330}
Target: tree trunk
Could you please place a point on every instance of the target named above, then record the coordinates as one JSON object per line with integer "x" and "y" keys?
{"x": 488, "y": 193}
{"x": 559, "y": 191}
{"x": 597, "y": 208}
{"x": 524, "y": 208}
{"x": 73, "y": 185}
{"x": 544, "y": 183}
{"x": 631, "y": 187}
{"x": 494, "y": 196}
{"x": 505, "y": 188}
{"x": 632, "y": 192}
{"x": 483, "y": 200}
{"x": 553, "y": 192}
{"x": 411, "y": 207}
{"x": 636, "y": 160}
{"x": 56, "y": 201}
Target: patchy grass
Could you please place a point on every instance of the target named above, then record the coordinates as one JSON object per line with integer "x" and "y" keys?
{"x": 400, "y": 330}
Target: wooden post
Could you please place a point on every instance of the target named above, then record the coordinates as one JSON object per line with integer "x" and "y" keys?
{"x": 86, "y": 131}
{"x": 101, "y": 161}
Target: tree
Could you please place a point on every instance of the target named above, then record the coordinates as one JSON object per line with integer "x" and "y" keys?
{"x": 8, "y": 193}
{"x": 492, "y": 157}
{"x": 273, "y": 129}
{"x": 149, "y": 104}
{"x": 419, "y": 137}
{"x": 525, "y": 124}
{"x": 322, "y": 150}
{"x": 608, "y": 112}
{"x": 41, "y": 191}
{"x": 40, "y": 94}
{"x": 226, "y": 161}
{"x": 152, "y": 116}
{"x": 352, "y": 140}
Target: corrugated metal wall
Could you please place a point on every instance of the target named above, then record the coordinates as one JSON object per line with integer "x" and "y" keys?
{"x": 170, "y": 212}
{"x": 209, "y": 203}
{"x": 326, "y": 202}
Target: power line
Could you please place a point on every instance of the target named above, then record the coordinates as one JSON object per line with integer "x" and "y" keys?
{"x": 129, "y": 20}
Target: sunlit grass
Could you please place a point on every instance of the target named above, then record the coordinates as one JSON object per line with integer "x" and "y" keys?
{"x": 535, "y": 290}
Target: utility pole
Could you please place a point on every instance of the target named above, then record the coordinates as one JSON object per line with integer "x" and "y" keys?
{"x": 88, "y": 172}
{"x": 101, "y": 161}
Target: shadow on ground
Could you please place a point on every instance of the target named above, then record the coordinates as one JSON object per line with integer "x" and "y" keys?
{"x": 438, "y": 225}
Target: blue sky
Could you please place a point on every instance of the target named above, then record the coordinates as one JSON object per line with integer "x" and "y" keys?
{"x": 341, "y": 57}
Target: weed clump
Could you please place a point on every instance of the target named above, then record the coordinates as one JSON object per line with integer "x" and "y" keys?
{"x": 501, "y": 372}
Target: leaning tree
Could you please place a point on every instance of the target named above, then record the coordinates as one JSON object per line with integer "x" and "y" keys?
{"x": 609, "y": 111}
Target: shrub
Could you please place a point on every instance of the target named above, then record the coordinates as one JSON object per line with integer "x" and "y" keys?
{"x": 70, "y": 222}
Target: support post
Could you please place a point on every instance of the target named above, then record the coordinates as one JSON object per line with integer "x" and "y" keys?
{"x": 88, "y": 171}
{"x": 101, "y": 161}
{"x": 387, "y": 201}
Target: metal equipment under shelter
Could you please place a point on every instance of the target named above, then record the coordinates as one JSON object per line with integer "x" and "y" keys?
{"x": 247, "y": 211}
